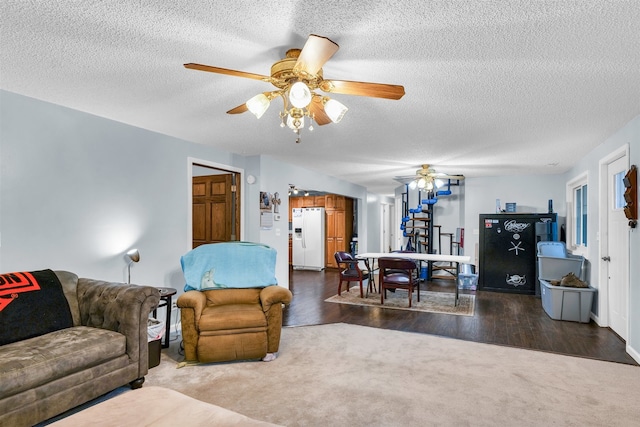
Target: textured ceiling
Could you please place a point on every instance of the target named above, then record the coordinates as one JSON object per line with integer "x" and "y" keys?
{"x": 492, "y": 88}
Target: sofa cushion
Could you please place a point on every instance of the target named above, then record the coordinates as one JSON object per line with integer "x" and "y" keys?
{"x": 27, "y": 296}
{"x": 69, "y": 282}
{"x": 29, "y": 363}
{"x": 232, "y": 317}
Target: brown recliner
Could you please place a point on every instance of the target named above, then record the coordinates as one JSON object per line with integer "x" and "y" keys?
{"x": 232, "y": 324}
{"x": 232, "y": 305}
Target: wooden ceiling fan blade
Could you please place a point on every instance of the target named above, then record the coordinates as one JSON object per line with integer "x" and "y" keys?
{"x": 226, "y": 71}
{"x": 317, "y": 109}
{"x": 316, "y": 51}
{"x": 375, "y": 90}
{"x": 447, "y": 176}
{"x": 239, "y": 109}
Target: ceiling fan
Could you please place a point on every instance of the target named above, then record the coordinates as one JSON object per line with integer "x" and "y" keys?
{"x": 297, "y": 77}
{"x": 426, "y": 178}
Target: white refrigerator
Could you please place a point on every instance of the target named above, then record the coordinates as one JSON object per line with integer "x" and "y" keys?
{"x": 308, "y": 238}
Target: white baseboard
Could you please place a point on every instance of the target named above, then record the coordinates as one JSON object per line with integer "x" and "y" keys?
{"x": 633, "y": 353}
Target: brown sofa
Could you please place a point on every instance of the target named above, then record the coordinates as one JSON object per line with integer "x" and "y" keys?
{"x": 232, "y": 324}
{"x": 106, "y": 348}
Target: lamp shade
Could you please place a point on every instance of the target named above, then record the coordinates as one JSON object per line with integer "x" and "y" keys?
{"x": 335, "y": 110}
{"x": 134, "y": 255}
{"x": 295, "y": 123}
{"x": 299, "y": 95}
{"x": 258, "y": 105}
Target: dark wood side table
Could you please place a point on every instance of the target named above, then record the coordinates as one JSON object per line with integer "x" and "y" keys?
{"x": 165, "y": 301}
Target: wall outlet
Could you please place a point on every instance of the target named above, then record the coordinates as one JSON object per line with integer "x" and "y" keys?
{"x": 174, "y": 306}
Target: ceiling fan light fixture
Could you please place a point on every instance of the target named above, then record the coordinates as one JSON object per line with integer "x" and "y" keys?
{"x": 335, "y": 110}
{"x": 413, "y": 184}
{"x": 295, "y": 121}
{"x": 258, "y": 104}
{"x": 299, "y": 95}
{"x": 422, "y": 182}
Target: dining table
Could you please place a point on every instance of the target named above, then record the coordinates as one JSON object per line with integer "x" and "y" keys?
{"x": 369, "y": 259}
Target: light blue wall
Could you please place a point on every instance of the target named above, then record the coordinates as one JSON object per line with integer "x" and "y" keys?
{"x": 628, "y": 134}
{"x": 78, "y": 191}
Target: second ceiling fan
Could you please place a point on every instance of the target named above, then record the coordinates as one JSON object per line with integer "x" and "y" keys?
{"x": 297, "y": 77}
{"x": 426, "y": 178}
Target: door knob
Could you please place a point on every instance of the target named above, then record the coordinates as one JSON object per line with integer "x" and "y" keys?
{"x": 606, "y": 258}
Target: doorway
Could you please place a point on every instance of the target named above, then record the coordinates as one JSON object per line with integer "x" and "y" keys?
{"x": 215, "y": 195}
{"x": 614, "y": 243}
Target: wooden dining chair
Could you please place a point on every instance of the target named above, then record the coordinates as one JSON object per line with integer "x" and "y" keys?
{"x": 397, "y": 273}
{"x": 350, "y": 271}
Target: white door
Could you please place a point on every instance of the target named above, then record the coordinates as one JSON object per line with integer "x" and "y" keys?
{"x": 616, "y": 261}
{"x": 385, "y": 244}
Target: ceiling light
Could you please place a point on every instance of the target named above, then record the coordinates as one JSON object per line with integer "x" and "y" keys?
{"x": 258, "y": 104}
{"x": 422, "y": 182}
{"x": 299, "y": 95}
{"x": 295, "y": 123}
{"x": 298, "y": 98}
{"x": 335, "y": 110}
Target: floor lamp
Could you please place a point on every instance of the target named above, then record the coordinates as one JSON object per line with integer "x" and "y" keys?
{"x": 134, "y": 256}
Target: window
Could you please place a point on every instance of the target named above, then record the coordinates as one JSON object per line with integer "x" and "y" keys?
{"x": 577, "y": 213}
{"x": 580, "y": 215}
{"x": 618, "y": 191}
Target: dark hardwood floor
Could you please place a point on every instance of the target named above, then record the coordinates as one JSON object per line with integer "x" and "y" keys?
{"x": 500, "y": 318}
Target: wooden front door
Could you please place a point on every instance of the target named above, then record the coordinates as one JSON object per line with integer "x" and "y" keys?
{"x": 216, "y": 209}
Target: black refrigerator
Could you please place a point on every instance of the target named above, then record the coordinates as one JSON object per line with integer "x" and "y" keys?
{"x": 507, "y": 250}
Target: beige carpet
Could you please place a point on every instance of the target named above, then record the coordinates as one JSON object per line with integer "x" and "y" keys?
{"x": 434, "y": 302}
{"x": 347, "y": 375}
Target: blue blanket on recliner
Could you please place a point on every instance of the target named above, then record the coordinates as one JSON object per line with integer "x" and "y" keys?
{"x": 229, "y": 265}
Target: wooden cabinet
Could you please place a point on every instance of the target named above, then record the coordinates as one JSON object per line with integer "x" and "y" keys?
{"x": 294, "y": 202}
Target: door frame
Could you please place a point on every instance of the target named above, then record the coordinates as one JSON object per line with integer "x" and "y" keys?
{"x": 603, "y": 214}
{"x": 191, "y": 162}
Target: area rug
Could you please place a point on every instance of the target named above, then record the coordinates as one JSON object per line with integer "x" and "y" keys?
{"x": 349, "y": 375}
{"x": 434, "y": 302}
